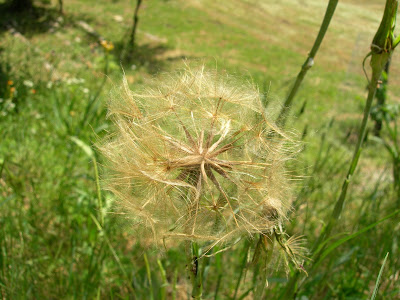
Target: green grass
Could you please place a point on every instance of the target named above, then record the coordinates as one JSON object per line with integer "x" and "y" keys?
{"x": 52, "y": 243}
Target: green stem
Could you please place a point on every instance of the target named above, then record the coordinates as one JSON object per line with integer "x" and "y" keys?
{"x": 175, "y": 279}
{"x": 357, "y": 152}
{"x": 381, "y": 95}
{"x": 242, "y": 267}
{"x": 330, "y": 10}
{"x": 192, "y": 251}
{"x": 135, "y": 22}
{"x": 340, "y": 202}
{"x": 381, "y": 50}
{"x": 263, "y": 255}
{"x": 148, "y": 272}
{"x": 379, "y": 59}
{"x": 98, "y": 189}
{"x": 163, "y": 288}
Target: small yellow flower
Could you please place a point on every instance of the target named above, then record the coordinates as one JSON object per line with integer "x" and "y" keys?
{"x": 10, "y": 82}
{"x": 108, "y": 46}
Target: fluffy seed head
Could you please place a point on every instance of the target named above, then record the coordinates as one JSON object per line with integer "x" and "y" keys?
{"x": 197, "y": 158}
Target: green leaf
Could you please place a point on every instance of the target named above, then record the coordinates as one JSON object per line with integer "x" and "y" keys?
{"x": 352, "y": 236}
{"x": 85, "y": 147}
{"x": 379, "y": 278}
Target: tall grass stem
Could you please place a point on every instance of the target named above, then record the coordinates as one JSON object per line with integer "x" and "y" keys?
{"x": 379, "y": 278}
{"x": 98, "y": 190}
{"x": 148, "y": 272}
{"x": 163, "y": 289}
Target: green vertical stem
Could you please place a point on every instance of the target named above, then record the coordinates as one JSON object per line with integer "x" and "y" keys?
{"x": 363, "y": 129}
{"x": 134, "y": 26}
{"x": 60, "y": 7}
{"x": 262, "y": 257}
{"x": 242, "y": 267}
{"x": 330, "y": 10}
{"x": 174, "y": 282}
{"x": 379, "y": 58}
{"x": 98, "y": 189}
{"x": 381, "y": 50}
{"x": 148, "y": 272}
{"x": 381, "y": 93}
{"x": 219, "y": 271}
{"x": 192, "y": 252}
{"x": 163, "y": 288}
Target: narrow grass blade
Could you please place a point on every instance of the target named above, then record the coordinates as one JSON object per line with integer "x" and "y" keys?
{"x": 163, "y": 290}
{"x": 174, "y": 282}
{"x": 242, "y": 267}
{"x": 148, "y": 271}
{"x": 352, "y": 236}
{"x": 89, "y": 152}
{"x": 379, "y": 278}
{"x": 114, "y": 253}
{"x": 81, "y": 144}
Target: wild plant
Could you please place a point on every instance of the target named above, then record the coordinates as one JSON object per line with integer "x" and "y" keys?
{"x": 193, "y": 159}
{"x": 309, "y": 62}
{"x": 391, "y": 143}
{"x": 382, "y": 47}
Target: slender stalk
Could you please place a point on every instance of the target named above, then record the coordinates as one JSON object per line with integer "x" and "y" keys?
{"x": 381, "y": 49}
{"x": 174, "y": 282}
{"x": 163, "y": 288}
{"x": 379, "y": 58}
{"x": 192, "y": 250}
{"x": 135, "y": 22}
{"x": 242, "y": 267}
{"x": 98, "y": 190}
{"x": 148, "y": 272}
{"x": 381, "y": 94}
{"x": 60, "y": 7}
{"x": 379, "y": 278}
{"x": 363, "y": 129}
{"x": 330, "y": 10}
{"x": 262, "y": 255}
{"x": 219, "y": 269}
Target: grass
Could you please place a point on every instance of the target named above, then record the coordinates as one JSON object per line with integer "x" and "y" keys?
{"x": 52, "y": 241}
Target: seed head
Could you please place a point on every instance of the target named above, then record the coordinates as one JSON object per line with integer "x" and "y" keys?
{"x": 197, "y": 158}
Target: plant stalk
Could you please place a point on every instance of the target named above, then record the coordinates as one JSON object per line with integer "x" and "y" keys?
{"x": 381, "y": 95}
{"x": 134, "y": 26}
{"x": 382, "y": 47}
{"x": 192, "y": 250}
{"x": 379, "y": 58}
{"x": 262, "y": 256}
{"x": 330, "y": 10}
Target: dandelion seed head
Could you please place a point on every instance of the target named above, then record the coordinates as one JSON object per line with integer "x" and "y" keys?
{"x": 196, "y": 157}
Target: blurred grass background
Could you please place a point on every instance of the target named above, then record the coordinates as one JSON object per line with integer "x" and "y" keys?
{"x": 54, "y": 82}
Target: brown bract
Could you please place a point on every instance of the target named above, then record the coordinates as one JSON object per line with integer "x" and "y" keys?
{"x": 197, "y": 158}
